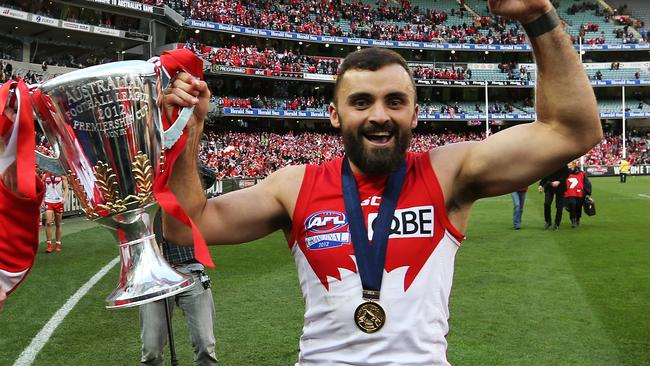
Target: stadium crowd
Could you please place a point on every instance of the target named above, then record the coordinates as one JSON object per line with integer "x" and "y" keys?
{"x": 257, "y": 154}
{"x": 356, "y": 19}
{"x": 296, "y": 103}
{"x": 289, "y": 61}
{"x": 608, "y": 152}
{"x": 275, "y": 62}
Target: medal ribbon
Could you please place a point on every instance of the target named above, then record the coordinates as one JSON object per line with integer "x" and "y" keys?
{"x": 371, "y": 255}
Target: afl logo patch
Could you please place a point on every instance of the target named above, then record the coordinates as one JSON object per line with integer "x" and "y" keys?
{"x": 326, "y": 229}
{"x": 325, "y": 222}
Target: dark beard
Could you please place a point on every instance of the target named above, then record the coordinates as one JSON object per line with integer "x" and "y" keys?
{"x": 376, "y": 161}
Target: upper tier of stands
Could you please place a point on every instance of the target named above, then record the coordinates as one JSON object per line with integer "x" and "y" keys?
{"x": 443, "y": 21}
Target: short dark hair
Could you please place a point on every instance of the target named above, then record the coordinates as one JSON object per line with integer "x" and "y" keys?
{"x": 371, "y": 59}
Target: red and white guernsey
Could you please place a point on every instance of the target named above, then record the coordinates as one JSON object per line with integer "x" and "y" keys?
{"x": 53, "y": 188}
{"x": 575, "y": 184}
{"x": 417, "y": 274}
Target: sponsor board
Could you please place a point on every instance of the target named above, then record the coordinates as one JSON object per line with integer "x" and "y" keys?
{"x": 401, "y": 44}
{"x": 13, "y": 13}
{"x": 421, "y": 116}
{"x": 236, "y": 69}
{"x": 321, "y": 77}
{"x": 132, "y": 5}
{"x": 107, "y": 31}
{"x": 45, "y": 20}
{"x": 610, "y": 170}
{"x": 75, "y": 26}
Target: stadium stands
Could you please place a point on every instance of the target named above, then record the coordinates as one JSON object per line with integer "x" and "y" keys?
{"x": 444, "y": 21}
{"x": 256, "y": 154}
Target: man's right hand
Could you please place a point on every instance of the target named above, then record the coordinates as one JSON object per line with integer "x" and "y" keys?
{"x": 187, "y": 91}
{"x": 540, "y": 189}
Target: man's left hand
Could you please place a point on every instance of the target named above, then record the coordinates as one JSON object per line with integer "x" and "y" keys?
{"x": 524, "y": 11}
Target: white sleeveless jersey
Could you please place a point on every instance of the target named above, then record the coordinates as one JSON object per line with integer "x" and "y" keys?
{"x": 53, "y": 188}
{"x": 417, "y": 275}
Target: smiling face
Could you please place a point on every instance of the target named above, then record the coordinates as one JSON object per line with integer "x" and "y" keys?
{"x": 376, "y": 112}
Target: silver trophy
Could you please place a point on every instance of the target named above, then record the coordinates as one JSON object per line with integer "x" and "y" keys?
{"x": 104, "y": 124}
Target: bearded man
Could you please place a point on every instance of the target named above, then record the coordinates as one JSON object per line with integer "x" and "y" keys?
{"x": 374, "y": 234}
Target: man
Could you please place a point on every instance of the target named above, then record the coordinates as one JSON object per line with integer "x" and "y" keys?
{"x": 196, "y": 303}
{"x": 554, "y": 186}
{"x": 415, "y": 207}
{"x": 518, "y": 201}
{"x": 56, "y": 193}
{"x": 577, "y": 186}
{"x": 623, "y": 170}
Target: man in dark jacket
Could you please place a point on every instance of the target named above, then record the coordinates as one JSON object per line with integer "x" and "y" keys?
{"x": 554, "y": 186}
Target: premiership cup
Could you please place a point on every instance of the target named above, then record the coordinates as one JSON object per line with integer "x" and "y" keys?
{"x": 106, "y": 130}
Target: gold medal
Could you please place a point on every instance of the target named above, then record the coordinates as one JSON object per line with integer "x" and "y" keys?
{"x": 369, "y": 317}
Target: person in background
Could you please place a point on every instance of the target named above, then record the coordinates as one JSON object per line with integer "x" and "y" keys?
{"x": 577, "y": 187}
{"x": 196, "y": 303}
{"x": 554, "y": 186}
{"x": 56, "y": 193}
{"x": 518, "y": 200}
{"x": 623, "y": 170}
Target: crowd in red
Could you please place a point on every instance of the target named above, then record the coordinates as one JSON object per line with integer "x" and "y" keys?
{"x": 608, "y": 152}
{"x": 288, "y": 61}
{"x": 386, "y": 20}
{"x": 276, "y": 62}
{"x": 257, "y": 154}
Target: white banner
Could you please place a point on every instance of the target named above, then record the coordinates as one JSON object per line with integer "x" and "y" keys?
{"x": 107, "y": 31}
{"x": 45, "y": 20}
{"x": 75, "y": 26}
{"x": 318, "y": 77}
{"x": 13, "y": 13}
{"x": 482, "y": 66}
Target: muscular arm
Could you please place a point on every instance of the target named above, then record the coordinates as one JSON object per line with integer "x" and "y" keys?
{"x": 567, "y": 125}
{"x": 235, "y": 217}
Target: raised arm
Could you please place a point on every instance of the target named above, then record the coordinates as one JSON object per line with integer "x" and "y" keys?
{"x": 567, "y": 125}
{"x": 235, "y": 217}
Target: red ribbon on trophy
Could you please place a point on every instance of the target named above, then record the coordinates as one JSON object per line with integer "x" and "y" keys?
{"x": 20, "y": 199}
{"x": 174, "y": 62}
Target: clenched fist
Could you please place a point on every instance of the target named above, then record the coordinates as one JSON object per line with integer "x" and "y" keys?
{"x": 524, "y": 11}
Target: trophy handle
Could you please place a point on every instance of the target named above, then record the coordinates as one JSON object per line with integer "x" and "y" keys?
{"x": 49, "y": 164}
{"x": 175, "y": 130}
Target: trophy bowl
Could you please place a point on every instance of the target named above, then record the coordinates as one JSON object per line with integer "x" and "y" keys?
{"x": 106, "y": 130}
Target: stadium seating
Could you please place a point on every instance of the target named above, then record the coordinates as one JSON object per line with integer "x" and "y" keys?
{"x": 256, "y": 154}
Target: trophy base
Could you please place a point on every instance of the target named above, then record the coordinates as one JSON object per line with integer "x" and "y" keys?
{"x": 145, "y": 276}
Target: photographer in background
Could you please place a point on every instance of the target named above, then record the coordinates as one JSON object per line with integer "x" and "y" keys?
{"x": 196, "y": 303}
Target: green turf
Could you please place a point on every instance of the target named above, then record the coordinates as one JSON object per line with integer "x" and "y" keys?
{"x": 528, "y": 297}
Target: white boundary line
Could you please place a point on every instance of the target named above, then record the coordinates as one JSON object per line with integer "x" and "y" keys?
{"x": 29, "y": 354}
{"x": 644, "y": 195}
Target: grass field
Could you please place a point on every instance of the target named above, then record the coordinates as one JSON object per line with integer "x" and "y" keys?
{"x": 528, "y": 297}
